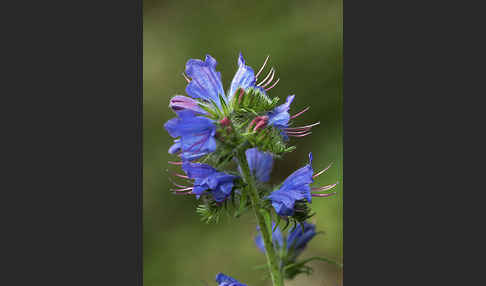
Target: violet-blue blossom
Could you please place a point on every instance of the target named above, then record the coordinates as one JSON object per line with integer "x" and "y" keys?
{"x": 277, "y": 238}
{"x": 225, "y": 280}
{"x": 260, "y": 163}
{"x": 296, "y": 239}
{"x": 295, "y": 187}
{"x": 196, "y": 135}
{"x": 205, "y": 82}
{"x": 279, "y": 116}
{"x": 218, "y": 184}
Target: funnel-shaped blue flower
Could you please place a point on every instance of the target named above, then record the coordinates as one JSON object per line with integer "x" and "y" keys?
{"x": 279, "y": 116}
{"x": 295, "y": 187}
{"x": 296, "y": 240}
{"x": 277, "y": 238}
{"x": 224, "y": 280}
{"x": 205, "y": 82}
{"x": 196, "y": 135}
{"x": 207, "y": 178}
{"x": 260, "y": 163}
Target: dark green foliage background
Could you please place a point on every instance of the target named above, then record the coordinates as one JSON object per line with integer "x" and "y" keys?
{"x": 304, "y": 41}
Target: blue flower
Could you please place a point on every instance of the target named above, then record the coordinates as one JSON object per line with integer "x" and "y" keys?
{"x": 260, "y": 163}
{"x": 224, "y": 280}
{"x": 277, "y": 238}
{"x": 279, "y": 116}
{"x": 196, "y": 135}
{"x": 295, "y": 187}
{"x": 296, "y": 240}
{"x": 205, "y": 83}
{"x": 207, "y": 178}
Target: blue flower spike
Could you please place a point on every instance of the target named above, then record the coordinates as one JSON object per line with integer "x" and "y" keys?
{"x": 224, "y": 280}
{"x": 297, "y": 187}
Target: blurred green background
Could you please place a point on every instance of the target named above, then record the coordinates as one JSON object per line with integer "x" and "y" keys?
{"x": 303, "y": 39}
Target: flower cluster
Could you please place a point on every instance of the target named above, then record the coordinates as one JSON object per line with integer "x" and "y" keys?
{"x": 224, "y": 138}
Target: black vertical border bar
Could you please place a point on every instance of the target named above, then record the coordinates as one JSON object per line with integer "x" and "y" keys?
{"x": 139, "y": 164}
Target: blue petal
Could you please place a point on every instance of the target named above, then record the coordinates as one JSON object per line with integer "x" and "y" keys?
{"x": 244, "y": 77}
{"x": 196, "y": 134}
{"x": 279, "y": 116}
{"x": 198, "y": 170}
{"x": 260, "y": 163}
{"x": 224, "y": 280}
{"x": 205, "y": 80}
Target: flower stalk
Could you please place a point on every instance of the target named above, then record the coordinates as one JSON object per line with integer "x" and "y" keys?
{"x": 272, "y": 258}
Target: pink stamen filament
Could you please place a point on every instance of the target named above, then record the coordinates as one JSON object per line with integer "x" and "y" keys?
{"x": 265, "y": 79}
{"x": 179, "y": 186}
{"x": 318, "y": 174}
{"x": 298, "y": 114}
{"x": 174, "y": 163}
{"x": 187, "y": 79}
{"x": 324, "y": 188}
{"x": 270, "y": 80}
{"x": 184, "y": 189}
{"x": 263, "y": 66}
{"x": 302, "y": 127}
{"x": 181, "y": 176}
{"x": 322, "y": 195}
{"x": 297, "y": 132}
{"x": 301, "y": 135}
{"x": 267, "y": 89}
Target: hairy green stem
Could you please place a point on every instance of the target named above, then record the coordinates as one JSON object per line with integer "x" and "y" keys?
{"x": 272, "y": 259}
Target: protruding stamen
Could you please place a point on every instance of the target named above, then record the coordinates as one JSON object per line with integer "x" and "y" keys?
{"x": 174, "y": 163}
{"x": 270, "y": 80}
{"x": 184, "y": 189}
{"x": 323, "y": 195}
{"x": 300, "y": 113}
{"x": 321, "y": 172}
{"x": 177, "y": 185}
{"x": 181, "y": 176}
{"x": 185, "y": 76}
{"x": 268, "y": 75}
{"x": 263, "y": 66}
{"x": 324, "y": 188}
{"x": 273, "y": 85}
{"x": 300, "y": 135}
{"x": 302, "y": 127}
{"x": 297, "y": 132}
